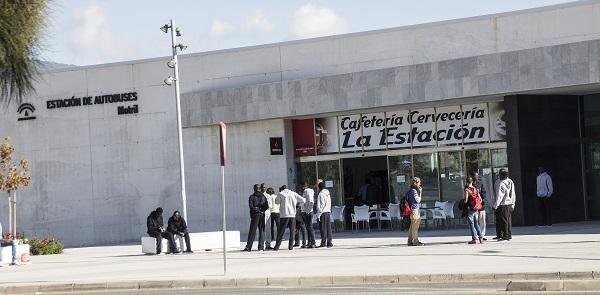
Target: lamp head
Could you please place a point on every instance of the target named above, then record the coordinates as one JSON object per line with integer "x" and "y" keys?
{"x": 165, "y": 28}
{"x": 169, "y": 80}
{"x": 171, "y": 64}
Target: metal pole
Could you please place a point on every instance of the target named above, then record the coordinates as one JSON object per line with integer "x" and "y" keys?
{"x": 224, "y": 221}
{"x": 179, "y": 129}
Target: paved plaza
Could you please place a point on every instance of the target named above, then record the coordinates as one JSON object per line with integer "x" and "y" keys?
{"x": 571, "y": 247}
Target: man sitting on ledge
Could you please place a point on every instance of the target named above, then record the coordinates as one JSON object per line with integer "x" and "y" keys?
{"x": 157, "y": 231}
{"x": 177, "y": 226}
{"x": 13, "y": 244}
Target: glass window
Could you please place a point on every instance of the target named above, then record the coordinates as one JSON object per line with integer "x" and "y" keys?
{"x": 425, "y": 166}
{"x": 400, "y": 176}
{"x": 591, "y": 115}
{"x": 479, "y": 161}
{"x": 329, "y": 172}
{"x": 452, "y": 175}
{"x": 307, "y": 171}
{"x": 499, "y": 161}
{"x": 592, "y": 154}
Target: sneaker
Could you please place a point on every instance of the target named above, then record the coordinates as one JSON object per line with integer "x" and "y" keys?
{"x": 189, "y": 251}
{"x": 304, "y": 247}
{"x": 246, "y": 250}
{"x": 472, "y": 242}
{"x": 160, "y": 254}
{"x": 484, "y": 239}
{"x": 495, "y": 238}
{"x": 312, "y": 246}
{"x": 296, "y": 245}
{"x": 330, "y": 245}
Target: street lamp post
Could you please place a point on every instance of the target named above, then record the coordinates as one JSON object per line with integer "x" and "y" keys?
{"x": 169, "y": 81}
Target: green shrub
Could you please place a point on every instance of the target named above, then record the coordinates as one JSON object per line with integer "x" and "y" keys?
{"x": 45, "y": 246}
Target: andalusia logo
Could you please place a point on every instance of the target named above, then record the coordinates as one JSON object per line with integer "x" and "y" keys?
{"x": 26, "y": 111}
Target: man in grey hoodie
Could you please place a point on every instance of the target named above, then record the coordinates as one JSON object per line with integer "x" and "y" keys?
{"x": 504, "y": 205}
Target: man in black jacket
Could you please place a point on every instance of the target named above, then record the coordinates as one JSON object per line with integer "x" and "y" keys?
{"x": 177, "y": 226}
{"x": 257, "y": 202}
{"x": 154, "y": 222}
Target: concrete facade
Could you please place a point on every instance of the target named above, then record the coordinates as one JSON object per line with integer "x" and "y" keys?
{"x": 96, "y": 175}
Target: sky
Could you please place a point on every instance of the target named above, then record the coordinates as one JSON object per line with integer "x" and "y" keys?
{"x": 86, "y": 32}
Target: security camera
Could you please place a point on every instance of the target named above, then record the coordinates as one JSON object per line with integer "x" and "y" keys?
{"x": 165, "y": 28}
{"x": 181, "y": 46}
{"x": 169, "y": 81}
{"x": 177, "y": 32}
{"x": 171, "y": 64}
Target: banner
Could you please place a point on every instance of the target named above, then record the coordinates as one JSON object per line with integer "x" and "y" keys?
{"x": 497, "y": 121}
{"x": 304, "y": 137}
{"x": 448, "y": 125}
{"x": 326, "y": 135}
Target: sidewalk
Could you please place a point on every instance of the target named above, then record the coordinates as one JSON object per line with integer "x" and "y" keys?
{"x": 538, "y": 251}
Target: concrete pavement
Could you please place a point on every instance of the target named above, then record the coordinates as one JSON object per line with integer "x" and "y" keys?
{"x": 564, "y": 251}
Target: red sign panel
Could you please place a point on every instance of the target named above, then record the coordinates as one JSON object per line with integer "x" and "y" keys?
{"x": 222, "y": 130}
{"x": 304, "y": 137}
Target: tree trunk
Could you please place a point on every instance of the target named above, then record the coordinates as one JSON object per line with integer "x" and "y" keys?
{"x": 14, "y": 214}
{"x": 9, "y": 213}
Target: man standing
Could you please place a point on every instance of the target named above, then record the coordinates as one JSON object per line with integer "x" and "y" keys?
{"x": 177, "y": 226}
{"x": 307, "y": 213}
{"x": 274, "y": 209}
{"x": 156, "y": 229}
{"x": 544, "y": 192}
{"x": 268, "y": 237}
{"x": 287, "y": 201}
{"x": 504, "y": 205}
{"x": 324, "y": 215}
{"x": 481, "y": 188}
{"x": 257, "y": 202}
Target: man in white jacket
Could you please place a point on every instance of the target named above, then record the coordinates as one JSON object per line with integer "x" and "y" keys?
{"x": 287, "y": 201}
{"x": 544, "y": 192}
{"x": 504, "y": 205}
{"x": 324, "y": 215}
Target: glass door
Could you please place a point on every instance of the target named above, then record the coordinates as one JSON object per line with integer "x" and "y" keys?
{"x": 400, "y": 168}
{"x": 452, "y": 175}
{"x": 425, "y": 166}
{"x": 592, "y": 174}
{"x": 329, "y": 172}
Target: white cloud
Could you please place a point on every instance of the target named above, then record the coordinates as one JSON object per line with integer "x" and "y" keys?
{"x": 220, "y": 28}
{"x": 258, "y": 21}
{"x": 91, "y": 36}
{"x": 314, "y": 21}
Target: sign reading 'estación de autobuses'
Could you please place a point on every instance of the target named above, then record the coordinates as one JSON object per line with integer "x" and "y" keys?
{"x": 98, "y": 99}
{"x": 409, "y": 128}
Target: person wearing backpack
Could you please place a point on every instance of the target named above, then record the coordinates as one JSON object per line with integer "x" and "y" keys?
{"x": 405, "y": 213}
{"x": 414, "y": 200}
{"x": 475, "y": 203}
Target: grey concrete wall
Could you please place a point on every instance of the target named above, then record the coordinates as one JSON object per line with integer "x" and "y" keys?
{"x": 96, "y": 175}
{"x": 249, "y": 162}
{"x": 482, "y": 75}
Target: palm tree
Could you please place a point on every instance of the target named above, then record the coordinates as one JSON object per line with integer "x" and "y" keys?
{"x": 21, "y": 24}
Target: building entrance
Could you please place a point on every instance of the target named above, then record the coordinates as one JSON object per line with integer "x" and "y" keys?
{"x": 365, "y": 181}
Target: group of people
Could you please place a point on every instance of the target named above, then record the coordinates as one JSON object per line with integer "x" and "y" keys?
{"x": 292, "y": 211}
{"x": 176, "y": 226}
{"x": 473, "y": 207}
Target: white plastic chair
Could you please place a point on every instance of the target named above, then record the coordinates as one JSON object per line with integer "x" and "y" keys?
{"x": 438, "y": 212}
{"x": 449, "y": 210}
{"x": 384, "y": 215}
{"x": 423, "y": 213}
{"x": 394, "y": 210}
{"x": 361, "y": 213}
{"x": 337, "y": 214}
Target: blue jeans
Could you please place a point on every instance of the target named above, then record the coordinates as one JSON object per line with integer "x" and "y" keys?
{"x": 473, "y": 220}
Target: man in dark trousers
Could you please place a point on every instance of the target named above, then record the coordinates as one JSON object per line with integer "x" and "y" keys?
{"x": 287, "y": 200}
{"x": 257, "y": 202}
{"x": 504, "y": 205}
{"x": 156, "y": 229}
{"x": 545, "y": 189}
{"x": 177, "y": 226}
